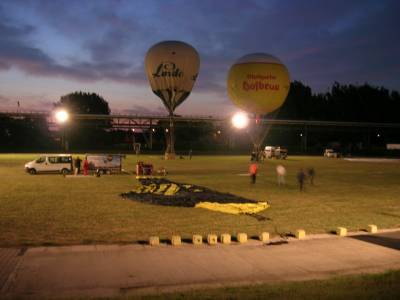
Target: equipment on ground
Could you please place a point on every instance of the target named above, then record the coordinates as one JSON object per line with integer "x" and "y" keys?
{"x": 143, "y": 169}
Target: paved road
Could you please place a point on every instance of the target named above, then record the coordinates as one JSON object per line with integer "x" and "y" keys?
{"x": 111, "y": 270}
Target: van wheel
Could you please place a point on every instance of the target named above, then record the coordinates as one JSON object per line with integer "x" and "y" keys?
{"x": 32, "y": 171}
{"x": 64, "y": 171}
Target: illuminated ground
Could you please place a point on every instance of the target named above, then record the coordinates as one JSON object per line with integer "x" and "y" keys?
{"x": 50, "y": 209}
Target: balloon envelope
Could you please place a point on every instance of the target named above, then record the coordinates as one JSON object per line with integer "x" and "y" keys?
{"x": 172, "y": 69}
{"x": 258, "y": 83}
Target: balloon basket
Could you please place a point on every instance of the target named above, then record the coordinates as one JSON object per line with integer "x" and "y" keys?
{"x": 169, "y": 156}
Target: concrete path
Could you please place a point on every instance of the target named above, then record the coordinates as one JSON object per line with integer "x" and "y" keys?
{"x": 112, "y": 270}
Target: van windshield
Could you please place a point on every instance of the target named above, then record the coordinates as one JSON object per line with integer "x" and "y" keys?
{"x": 40, "y": 160}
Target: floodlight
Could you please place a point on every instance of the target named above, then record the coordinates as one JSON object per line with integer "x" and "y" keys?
{"x": 62, "y": 116}
{"x": 240, "y": 120}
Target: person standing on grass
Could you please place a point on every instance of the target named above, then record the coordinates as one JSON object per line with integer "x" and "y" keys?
{"x": 85, "y": 167}
{"x": 281, "y": 173}
{"x": 78, "y": 162}
{"x": 253, "y": 156}
{"x": 253, "y": 172}
{"x": 311, "y": 175}
{"x": 301, "y": 176}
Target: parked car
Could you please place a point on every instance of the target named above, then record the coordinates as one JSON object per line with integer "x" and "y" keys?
{"x": 330, "y": 153}
{"x": 275, "y": 152}
{"x": 50, "y": 163}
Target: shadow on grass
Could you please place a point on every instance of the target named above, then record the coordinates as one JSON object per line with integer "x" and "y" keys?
{"x": 388, "y": 240}
{"x": 277, "y": 243}
{"x": 259, "y": 217}
{"x": 391, "y": 215}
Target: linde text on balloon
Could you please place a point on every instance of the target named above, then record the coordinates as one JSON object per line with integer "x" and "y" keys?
{"x": 168, "y": 69}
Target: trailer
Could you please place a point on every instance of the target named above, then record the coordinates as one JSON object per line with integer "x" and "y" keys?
{"x": 105, "y": 163}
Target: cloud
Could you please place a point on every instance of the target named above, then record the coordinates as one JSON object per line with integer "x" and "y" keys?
{"x": 18, "y": 50}
{"x": 4, "y": 99}
{"x": 320, "y": 42}
{"x": 15, "y": 52}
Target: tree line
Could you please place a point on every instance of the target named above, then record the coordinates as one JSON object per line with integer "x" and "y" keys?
{"x": 352, "y": 103}
{"x": 343, "y": 102}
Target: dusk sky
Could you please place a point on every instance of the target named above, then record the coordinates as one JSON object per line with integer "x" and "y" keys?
{"x": 51, "y": 48}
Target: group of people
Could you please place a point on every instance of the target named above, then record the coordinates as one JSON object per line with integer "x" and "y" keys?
{"x": 302, "y": 176}
{"x": 281, "y": 174}
{"x": 77, "y": 166}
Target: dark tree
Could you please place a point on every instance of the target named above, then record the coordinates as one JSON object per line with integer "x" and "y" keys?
{"x": 83, "y": 134}
{"x": 297, "y": 103}
{"x": 352, "y": 103}
{"x": 24, "y": 134}
{"x": 84, "y": 103}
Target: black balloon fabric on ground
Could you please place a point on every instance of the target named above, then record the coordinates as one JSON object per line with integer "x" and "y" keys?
{"x": 155, "y": 191}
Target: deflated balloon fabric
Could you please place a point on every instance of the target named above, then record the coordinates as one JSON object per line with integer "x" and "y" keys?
{"x": 165, "y": 192}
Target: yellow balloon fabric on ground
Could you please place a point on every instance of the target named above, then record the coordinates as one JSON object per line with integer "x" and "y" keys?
{"x": 234, "y": 208}
{"x": 258, "y": 83}
{"x": 172, "y": 68}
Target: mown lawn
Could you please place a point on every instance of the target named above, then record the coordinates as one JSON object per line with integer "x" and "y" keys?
{"x": 374, "y": 287}
{"x": 50, "y": 209}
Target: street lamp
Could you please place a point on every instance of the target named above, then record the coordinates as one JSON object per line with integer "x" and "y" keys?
{"x": 62, "y": 117}
{"x": 240, "y": 120}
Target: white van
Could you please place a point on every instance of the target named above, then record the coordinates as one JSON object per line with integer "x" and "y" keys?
{"x": 330, "y": 153}
{"x": 50, "y": 163}
{"x": 275, "y": 152}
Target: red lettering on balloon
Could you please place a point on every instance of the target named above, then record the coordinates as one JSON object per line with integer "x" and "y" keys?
{"x": 261, "y": 76}
{"x": 257, "y": 82}
{"x": 259, "y": 85}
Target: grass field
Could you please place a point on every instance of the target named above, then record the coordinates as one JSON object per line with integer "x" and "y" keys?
{"x": 374, "y": 286}
{"x": 52, "y": 210}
